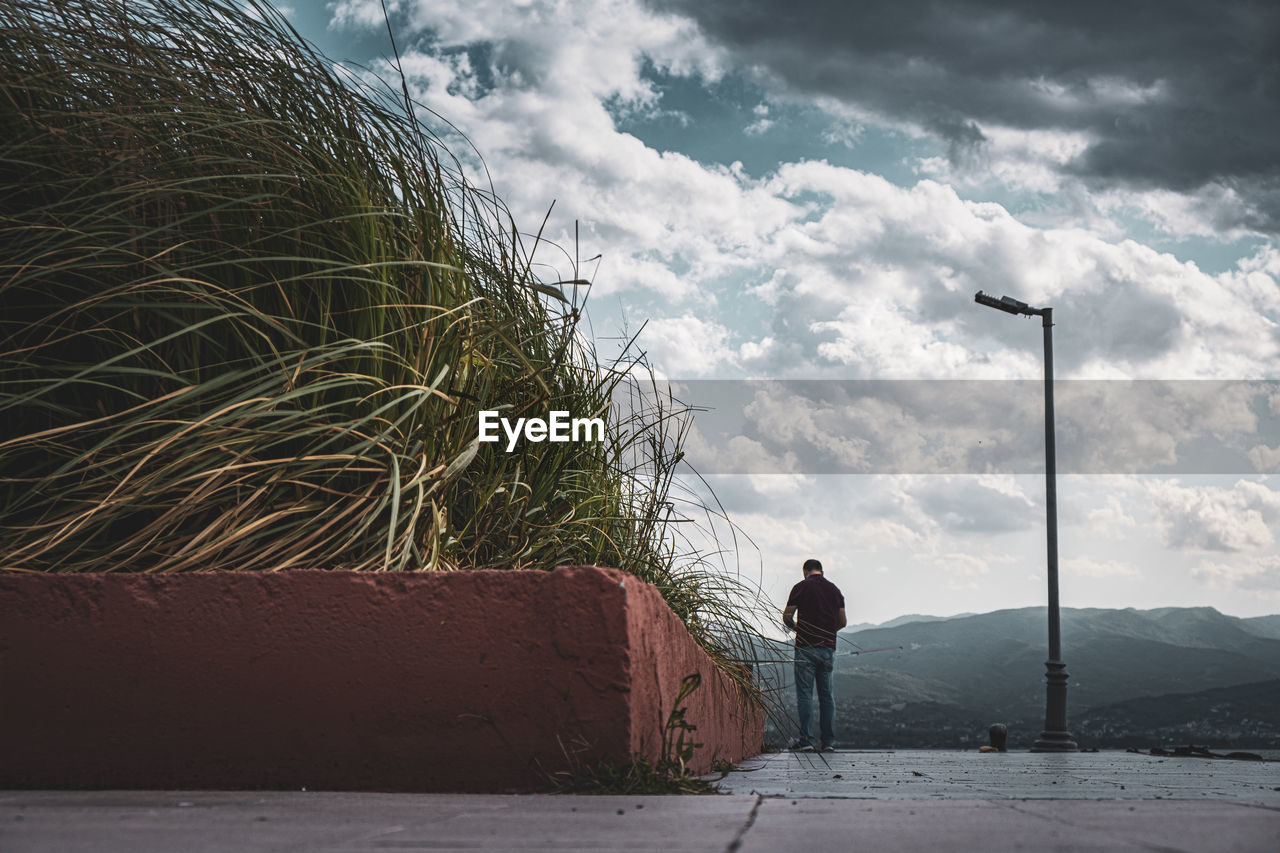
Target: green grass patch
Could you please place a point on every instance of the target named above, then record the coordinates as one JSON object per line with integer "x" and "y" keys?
{"x": 668, "y": 775}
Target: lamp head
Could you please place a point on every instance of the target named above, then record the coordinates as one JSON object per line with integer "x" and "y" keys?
{"x": 1004, "y": 303}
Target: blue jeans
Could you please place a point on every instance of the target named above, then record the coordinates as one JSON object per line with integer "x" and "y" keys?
{"x": 815, "y": 664}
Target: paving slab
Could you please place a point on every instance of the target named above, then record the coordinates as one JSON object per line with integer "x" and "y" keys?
{"x": 998, "y": 826}
{"x": 227, "y": 822}
{"x": 274, "y": 822}
{"x": 214, "y": 822}
{"x": 938, "y": 774}
{"x": 853, "y": 800}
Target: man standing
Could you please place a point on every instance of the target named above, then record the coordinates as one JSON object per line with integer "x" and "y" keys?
{"x": 821, "y": 608}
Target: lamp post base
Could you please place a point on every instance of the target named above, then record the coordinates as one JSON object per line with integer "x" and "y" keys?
{"x": 1055, "y": 737}
{"x": 1055, "y": 742}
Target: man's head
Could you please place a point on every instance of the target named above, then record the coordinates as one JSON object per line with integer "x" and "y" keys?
{"x": 812, "y": 567}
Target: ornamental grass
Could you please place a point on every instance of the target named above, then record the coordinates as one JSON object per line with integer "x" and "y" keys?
{"x": 250, "y": 308}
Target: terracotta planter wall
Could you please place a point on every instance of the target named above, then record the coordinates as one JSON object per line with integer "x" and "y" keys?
{"x": 463, "y": 681}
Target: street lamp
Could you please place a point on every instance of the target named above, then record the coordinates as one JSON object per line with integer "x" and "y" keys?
{"x": 1055, "y": 737}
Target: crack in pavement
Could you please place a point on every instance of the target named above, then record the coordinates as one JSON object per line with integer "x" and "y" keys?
{"x": 746, "y": 826}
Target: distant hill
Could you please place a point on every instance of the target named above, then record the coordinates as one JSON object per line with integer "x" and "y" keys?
{"x": 1243, "y": 715}
{"x": 901, "y": 620}
{"x": 994, "y": 662}
{"x": 1263, "y": 626}
{"x": 954, "y": 676}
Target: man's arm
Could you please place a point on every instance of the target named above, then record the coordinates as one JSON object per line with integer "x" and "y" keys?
{"x": 843, "y": 620}
{"x": 789, "y": 617}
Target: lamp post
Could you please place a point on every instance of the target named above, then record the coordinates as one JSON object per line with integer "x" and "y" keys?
{"x": 1055, "y": 737}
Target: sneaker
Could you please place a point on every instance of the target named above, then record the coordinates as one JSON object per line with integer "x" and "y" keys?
{"x": 828, "y": 749}
{"x": 800, "y": 746}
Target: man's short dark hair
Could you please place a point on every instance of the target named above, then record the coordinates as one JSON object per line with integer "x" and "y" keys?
{"x": 812, "y": 566}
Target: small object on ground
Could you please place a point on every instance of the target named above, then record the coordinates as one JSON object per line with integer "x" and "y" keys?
{"x": 998, "y": 733}
{"x": 987, "y": 748}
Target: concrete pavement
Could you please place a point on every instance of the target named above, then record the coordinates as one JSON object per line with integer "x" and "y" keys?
{"x": 885, "y": 802}
{"x": 225, "y": 822}
{"x": 956, "y": 774}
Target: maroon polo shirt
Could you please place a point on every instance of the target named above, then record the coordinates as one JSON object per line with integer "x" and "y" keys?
{"x": 818, "y": 602}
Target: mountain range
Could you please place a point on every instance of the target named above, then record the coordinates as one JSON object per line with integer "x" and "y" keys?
{"x": 1137, "y": 678}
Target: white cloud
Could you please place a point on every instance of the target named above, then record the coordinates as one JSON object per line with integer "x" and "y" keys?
{"x": 1098, "y": 568}
{"x": 1256, "y": 574}
{"x": 1111, "y": 521}
{"x": 970, "y": 427}
{"x": 883, "y": 534}
{"x": 940, "y": 505}
{"x": 1215, "y": 519}
{"x": 957, "y": 564}
{"x": 697, "y": 346}
{"x": 1005, "y": 484}
{"x": 789, "y": 424}
{"x": 736, "y": 455}
{"x": 762, "y": 122}
{"x": 1121, "y": 427}
{"x": 1204, "y": 212}
{"x": 861, "y": 277}
{"x": 1265, "y": 458}
{"x": 898, "y": 267}
{"x": 816, "y": 270}
{"x": 780, "y": 487}
{"x": 1026, "y": 160}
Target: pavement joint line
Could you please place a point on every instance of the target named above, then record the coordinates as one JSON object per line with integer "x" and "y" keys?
{"x": 746, "y": 826}
{"x": 1058, "y": 819}
{"x": 1249, "y": 805}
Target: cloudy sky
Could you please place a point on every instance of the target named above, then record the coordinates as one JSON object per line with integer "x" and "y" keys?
{"x": 794, "y": 204}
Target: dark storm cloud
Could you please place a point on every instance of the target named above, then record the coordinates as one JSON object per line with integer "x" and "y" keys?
{"x": 1210, "y": 73}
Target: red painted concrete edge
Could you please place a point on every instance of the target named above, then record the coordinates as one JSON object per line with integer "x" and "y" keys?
{"x": 662, "y": 655}
{"x": 460, "y": 681}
